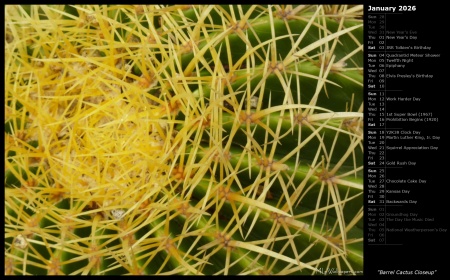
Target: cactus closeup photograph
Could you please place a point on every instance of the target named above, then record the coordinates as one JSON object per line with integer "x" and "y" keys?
{"x": 184, "y": 140}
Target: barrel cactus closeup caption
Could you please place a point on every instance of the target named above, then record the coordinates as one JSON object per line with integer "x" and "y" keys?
{"x": 183, "y": 139}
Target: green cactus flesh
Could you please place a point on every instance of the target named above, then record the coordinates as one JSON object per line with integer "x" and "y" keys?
{"x": 201, "y": 139}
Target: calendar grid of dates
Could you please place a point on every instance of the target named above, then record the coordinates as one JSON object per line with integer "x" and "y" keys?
{"x": 403, "y": 142}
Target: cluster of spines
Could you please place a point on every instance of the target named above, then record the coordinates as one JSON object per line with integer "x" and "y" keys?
{"x": 165, "y": 161}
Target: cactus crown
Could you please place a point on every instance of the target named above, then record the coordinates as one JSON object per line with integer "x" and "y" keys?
{"x": 200, "y": 139}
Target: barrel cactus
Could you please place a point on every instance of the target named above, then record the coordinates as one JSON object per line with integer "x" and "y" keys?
{"x": 183, "y": 139}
